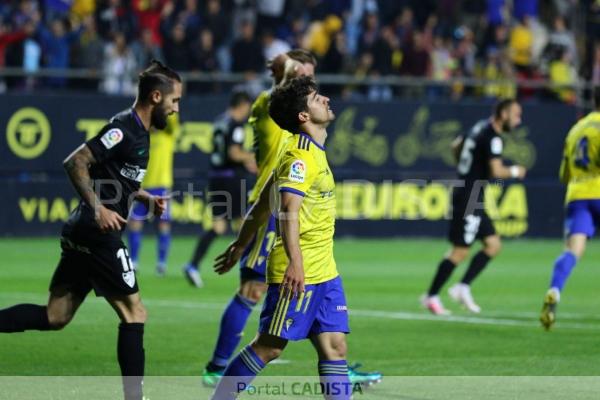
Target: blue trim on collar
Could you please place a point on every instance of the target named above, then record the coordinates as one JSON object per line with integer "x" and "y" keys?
{"x": 312, "y": 140}
{"x": 138, "y": 119}
{"x": 292, "y": 190}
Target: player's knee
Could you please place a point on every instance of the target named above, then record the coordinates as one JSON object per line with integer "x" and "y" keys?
{"x": 135, "y": 314}
{"x": 253, "y": 291}
{"x": 58, "y": 321}
{"x": 458, "y": 255}
{"x": 492, "y": 248}
{"x": 267, "y": 354}
{"x": 338, "y": 349}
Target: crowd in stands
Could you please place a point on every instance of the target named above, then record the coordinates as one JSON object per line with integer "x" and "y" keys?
{"x": 499, "y": 40}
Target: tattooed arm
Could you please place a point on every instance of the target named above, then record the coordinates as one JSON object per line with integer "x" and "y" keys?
{"x": 77, "y": 165}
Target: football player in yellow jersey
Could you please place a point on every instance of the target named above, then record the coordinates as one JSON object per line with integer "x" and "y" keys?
{"x": 305, "y": 298}
{"x": 580, "y": 171}
{"x": 268, "y": 140}
{"x": 157, "y": 181}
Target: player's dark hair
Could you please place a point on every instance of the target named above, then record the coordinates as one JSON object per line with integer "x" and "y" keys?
{"x": 502, "y": 106}
{"x": 302, "y": 56}
{"x": 289, "y": 100}
{"x": 156, "y": 77}
{"x": 596, "y": 95}
{"x": 239, "y": 97}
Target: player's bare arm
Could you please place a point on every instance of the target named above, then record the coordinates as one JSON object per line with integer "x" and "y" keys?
{"x": 256, "y": 217}
{"x": 501, "y": 171}
{"x": 563, "y": 172}
{"x": 77, "y": 165}
{"x": 293, "y": 278}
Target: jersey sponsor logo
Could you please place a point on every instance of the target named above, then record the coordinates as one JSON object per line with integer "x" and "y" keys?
{"x": 496, "y": 146}
{"x": 111, "y": 138}
{"x": 133, "y": 172}
{"x": 238, "y": 135}
{"x": 297, "y": 171}
{"x": 288, "y": 323}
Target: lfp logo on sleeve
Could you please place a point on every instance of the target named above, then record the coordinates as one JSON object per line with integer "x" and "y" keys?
{"x": 112, "y": 138}
{"x": 297, "y": 171}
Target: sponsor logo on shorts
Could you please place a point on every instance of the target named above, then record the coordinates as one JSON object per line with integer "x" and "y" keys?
{"x": 133, "y": 172}
{"x": 112, "y": 138}
{"x": 297, "y": 171}
{"x": 288, "y": 323}
{"x": 341, "y": 308}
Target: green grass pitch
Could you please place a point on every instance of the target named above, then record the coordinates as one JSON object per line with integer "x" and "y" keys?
{"x": 390, "y": 332}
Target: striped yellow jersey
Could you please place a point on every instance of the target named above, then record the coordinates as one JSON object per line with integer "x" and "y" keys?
{"x": 162, "y": 146}
{"x": 303, "y": 170}
{"x": 580, "y": 167}
{"x": 268, "y": 141}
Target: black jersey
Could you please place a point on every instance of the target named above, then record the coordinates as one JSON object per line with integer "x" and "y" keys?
{"x": 480, "y": 145}
{"x": 121, "y": 150}
{"x": 226, "y": 133}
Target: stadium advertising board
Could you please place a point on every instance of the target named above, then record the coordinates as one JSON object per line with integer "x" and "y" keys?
{"x": 391, "y": 160}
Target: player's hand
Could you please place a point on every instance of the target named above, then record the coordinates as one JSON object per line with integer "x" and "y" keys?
{"x": 109, "y": 220}
{"x": 160, "y": 204}
{"x": 226, "y": 260}
{"x": 293, "y": 279}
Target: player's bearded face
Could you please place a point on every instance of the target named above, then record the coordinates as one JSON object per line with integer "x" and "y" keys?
{"x": 159, "y": 115}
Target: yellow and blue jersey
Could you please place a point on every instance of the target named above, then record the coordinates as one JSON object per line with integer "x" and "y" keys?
{"x": 268, "y": 141}
{"x": 580, "y": 167}
{"x": 303, "y": 170}
{"x": 162, "y": 147}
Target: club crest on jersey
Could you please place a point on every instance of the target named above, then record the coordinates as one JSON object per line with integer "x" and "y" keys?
{"x": 297, "y": 171}
{"x": 133, "y": 172}
{"x": 129, "y": 278}
{"x": 112, "y": 138}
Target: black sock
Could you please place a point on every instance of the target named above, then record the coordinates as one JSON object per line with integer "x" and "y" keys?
{"x": 202, "y": 247}
{"x": 23, "y": 317}
{"x": 130, "y": 352}
{"x": 477, "y": 265}
{"x": 441, "y": 276}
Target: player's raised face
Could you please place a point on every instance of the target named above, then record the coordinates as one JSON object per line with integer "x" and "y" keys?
{"x": 318, "y": 108}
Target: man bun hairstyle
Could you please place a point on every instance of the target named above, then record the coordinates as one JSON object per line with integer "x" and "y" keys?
{"x": 156, "y": 77}
{"x": 289, "y": 100}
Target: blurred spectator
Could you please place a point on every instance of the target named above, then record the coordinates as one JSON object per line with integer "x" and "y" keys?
{"x": 145, "y": 49}
{"x": 176, "y": 50}
{"x": 269, "y": 14}
{"x": 465, "y": 51}
{"x": 415, "y": 58}
{"x": 561, "y": 72}
{"x": 204, "y": 56}
{"x": 386, "y": 52}
{"x": 56, "y": 45}
{"x": 56, "y": 9}
{"x": 189, "y": 17}
{"x": 442, "y": 62}
{"x": 149, "y": 15}
{"x": 83, "y": 8}
{"x": 561, "y": 38}
{"x": 293, "y": 32}
{"x": 404, "y": 25}
{"x": 88, "y": 51}
{"x": 25, "y": 12}
{"x": 320, "y": 34}
{"x": 217, "y": 22}
{"x": 595, "y": 75}
{"x": 369, "y": 34}
{"x": 7, "y": 38}
{"x": 119, "y": 67}
{"x": 246, "y": 51}
{"x": 496, "y": 12}
{"x": 525, "y": 8}
{"x": 116, "y": 16}
{"x": 272, "y": 46}
{"x": 498, "y": 70}
{"x": 520, "y": 44}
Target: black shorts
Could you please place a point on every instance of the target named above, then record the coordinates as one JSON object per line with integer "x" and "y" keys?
{"x": 465, "y": 228}
{"x": 227, "y": 197}
{"x": 104, "y": 267}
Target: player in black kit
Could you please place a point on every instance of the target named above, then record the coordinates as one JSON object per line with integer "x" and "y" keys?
{"x": 230, "y": 165}
{"x": 479, "y": 155}
{"x": 107, "y": 172}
